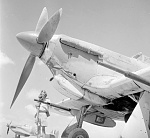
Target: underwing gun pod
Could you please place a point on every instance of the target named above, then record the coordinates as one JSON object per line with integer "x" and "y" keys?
{"x": 54, "y": 105}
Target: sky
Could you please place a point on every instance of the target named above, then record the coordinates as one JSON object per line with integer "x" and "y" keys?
{"x": 119, "y": 25}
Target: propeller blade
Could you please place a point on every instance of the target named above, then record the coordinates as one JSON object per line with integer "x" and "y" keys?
{"x": 42, "y": 20}
{"x": 8, "y": 125}
{"x": 7, "y": 130}
{"x": 24, "y": 76}
{"x": 49, "y": 28}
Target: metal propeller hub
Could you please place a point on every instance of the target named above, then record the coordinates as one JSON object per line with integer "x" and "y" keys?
{"x": 29, "y": 41}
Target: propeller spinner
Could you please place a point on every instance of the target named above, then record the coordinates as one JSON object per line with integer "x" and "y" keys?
{"x": 35, "y": 42}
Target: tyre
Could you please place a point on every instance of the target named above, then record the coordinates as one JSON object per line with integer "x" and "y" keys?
{"x": 78, "y": 133}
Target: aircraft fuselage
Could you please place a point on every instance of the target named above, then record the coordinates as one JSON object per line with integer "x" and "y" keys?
{"x": 77, "y": 60}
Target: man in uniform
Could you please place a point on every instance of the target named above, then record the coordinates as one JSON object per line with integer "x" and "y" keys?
{"x": 42, "y": 113}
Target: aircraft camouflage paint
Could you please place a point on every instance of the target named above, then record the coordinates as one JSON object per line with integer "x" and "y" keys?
{"x": 102, "y": 85}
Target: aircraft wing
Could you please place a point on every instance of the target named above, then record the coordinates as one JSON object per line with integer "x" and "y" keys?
{"x": 123, "y": 85}
{"x": 70, "y": 107}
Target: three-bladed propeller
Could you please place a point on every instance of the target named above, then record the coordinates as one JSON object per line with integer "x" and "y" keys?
{"x": 35, "y": 42}
{"x": 8, "y": 125}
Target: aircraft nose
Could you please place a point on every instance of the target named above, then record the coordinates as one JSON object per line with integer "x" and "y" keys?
{"x": 28, "y": 41}
{"x": 25, "y": 38}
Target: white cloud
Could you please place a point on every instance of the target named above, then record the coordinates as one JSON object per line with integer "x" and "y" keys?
{"x": 33, "y": 94}
{"x": 31, "y": 109}
{"x": 4, "y": 59}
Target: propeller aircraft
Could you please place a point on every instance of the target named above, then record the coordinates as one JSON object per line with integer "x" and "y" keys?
{"x": 27, "y": 131}
{"x": 22, "y": 130}
{"x": 101, "y": 85}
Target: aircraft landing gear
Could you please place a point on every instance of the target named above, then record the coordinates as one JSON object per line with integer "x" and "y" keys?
{"x": 78, "y": 133}
{"x": 75, "y": 130}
